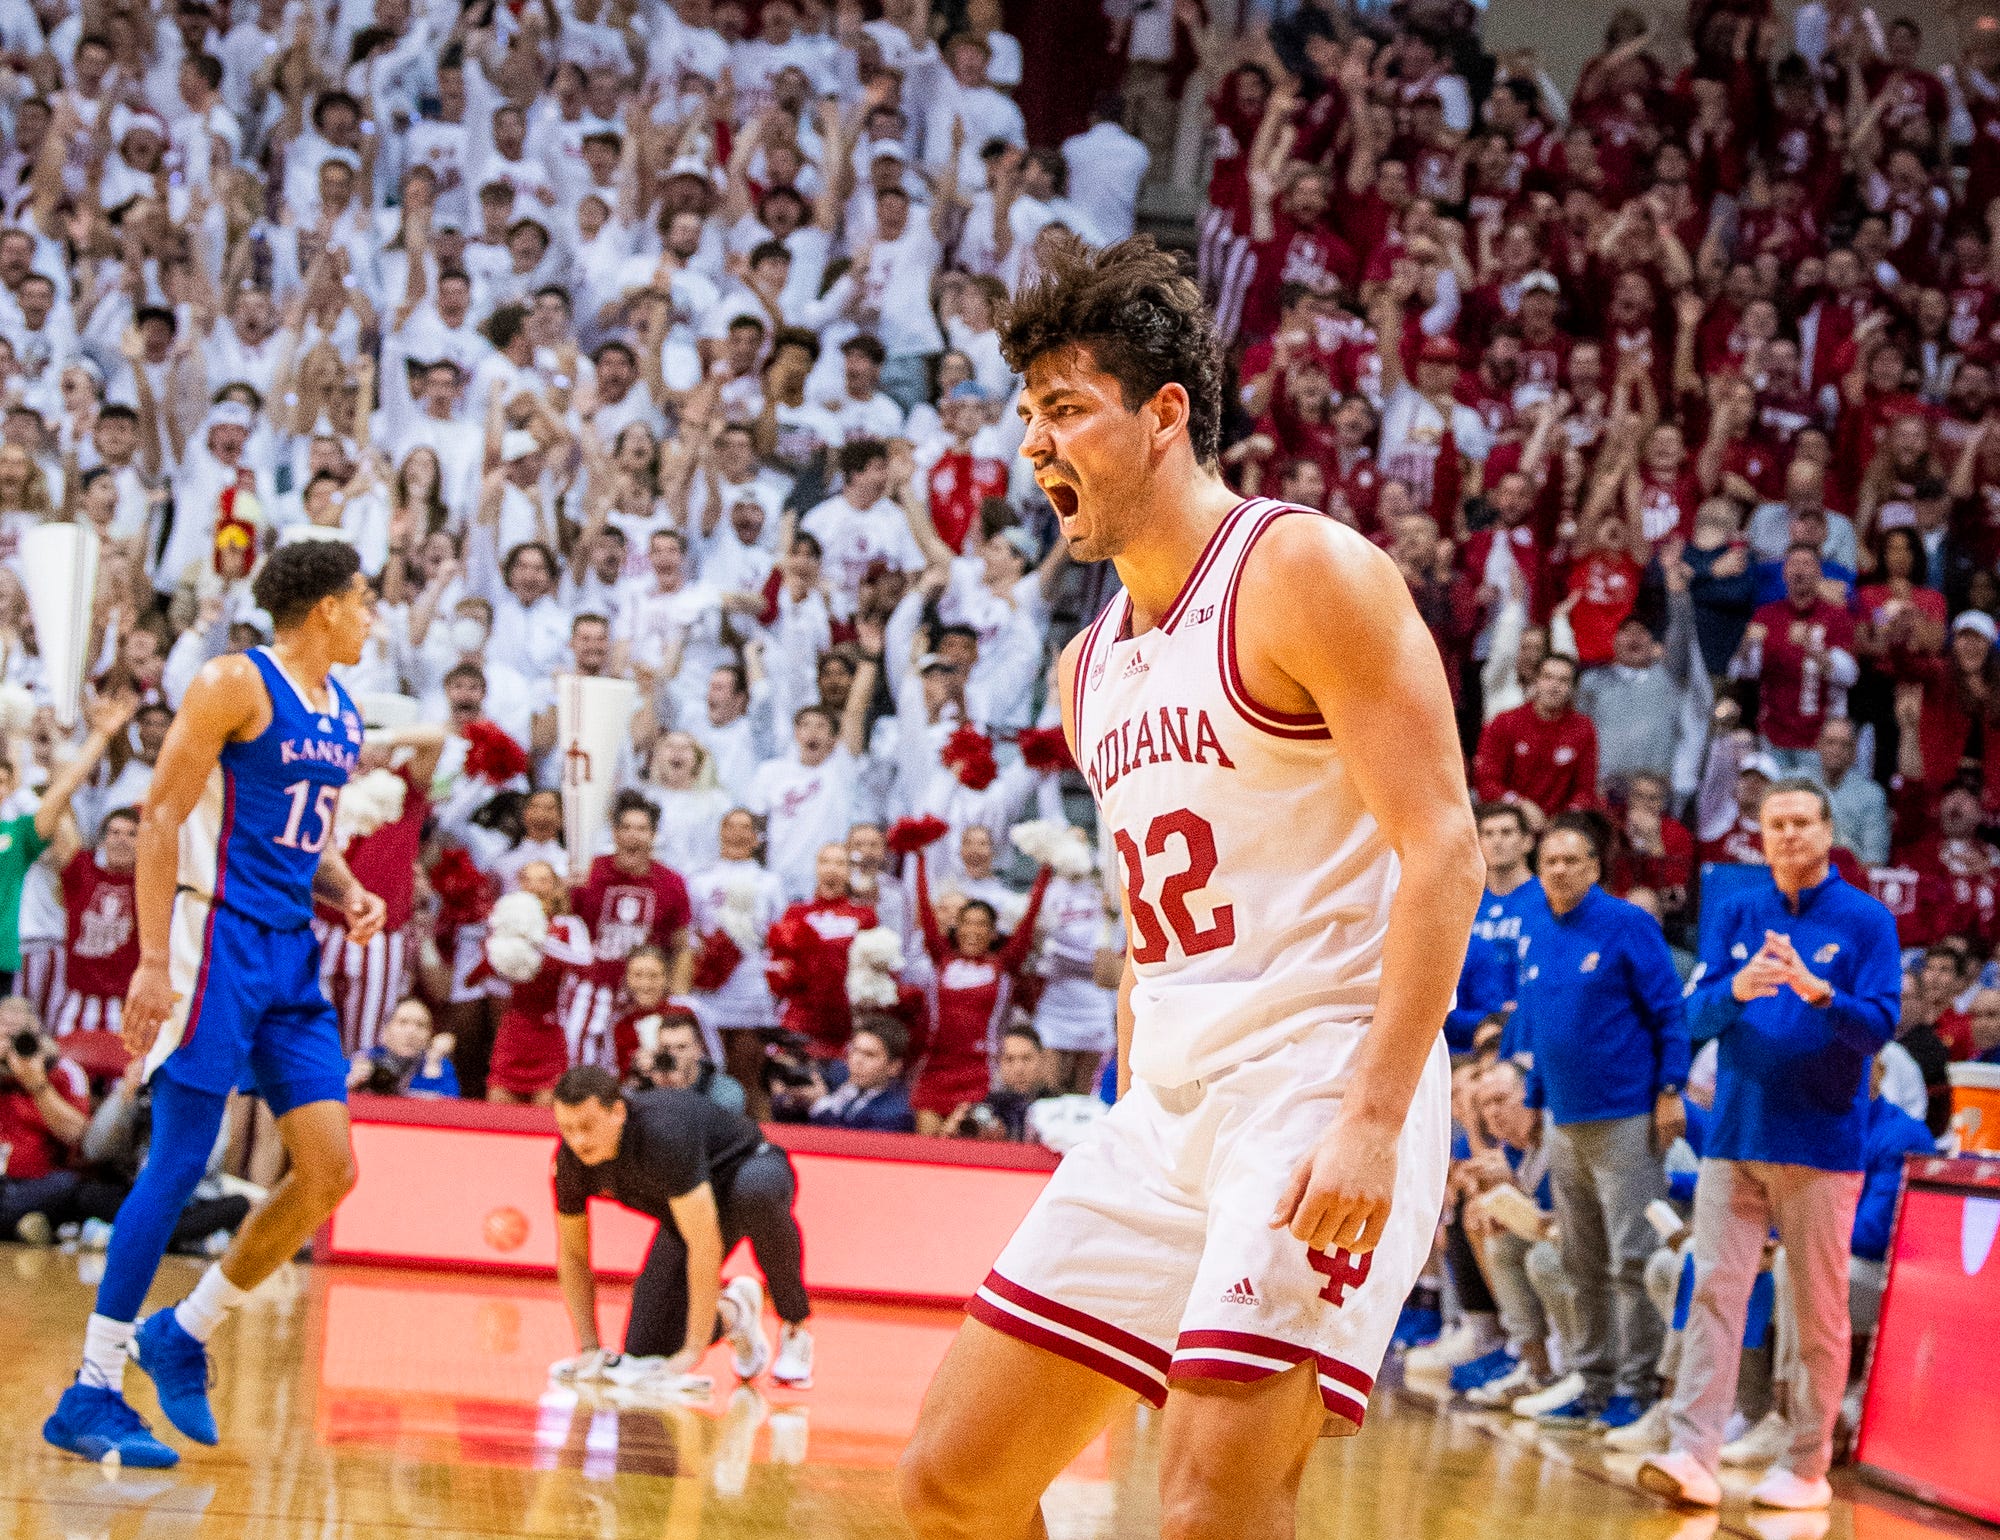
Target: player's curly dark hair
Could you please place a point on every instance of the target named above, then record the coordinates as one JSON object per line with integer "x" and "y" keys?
{"x": 298, "y": 576}
{"x": 1140, "y": 316}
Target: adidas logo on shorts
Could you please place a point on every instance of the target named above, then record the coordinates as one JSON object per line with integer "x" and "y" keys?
{"x": 1239, "y": 1294}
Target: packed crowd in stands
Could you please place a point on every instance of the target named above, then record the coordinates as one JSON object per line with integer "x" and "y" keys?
{"x": 657, "y": 339}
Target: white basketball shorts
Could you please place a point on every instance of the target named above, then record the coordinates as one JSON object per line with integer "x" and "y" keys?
{"x": 1150, "y": 1257}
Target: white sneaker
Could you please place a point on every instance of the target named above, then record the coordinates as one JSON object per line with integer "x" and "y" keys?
{"x": 1463, "y": 1343}
{"x": 1781, "y": 1489}
{"x": 752, "y": 1349}
{"x": 1762, "y": 1444}
{"x": 795, "y": 1358}
{"x": 1549, "y": 1397}
{"x": 1646, "y": 1436}
{"x": 1504, "y": 1392}
{"x": 630, "y": 1369}
{"x": 1681, "y": 1479}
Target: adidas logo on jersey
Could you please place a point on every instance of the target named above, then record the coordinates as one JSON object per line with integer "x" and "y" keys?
{"x": 1240, "y": 1293}
{"x": 1136, "y": 666}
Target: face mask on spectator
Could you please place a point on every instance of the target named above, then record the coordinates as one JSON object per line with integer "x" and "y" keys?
{"x": 467, "y": 634}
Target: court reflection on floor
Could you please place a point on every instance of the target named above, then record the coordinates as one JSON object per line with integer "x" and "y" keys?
{"x": 364, "y": 1403}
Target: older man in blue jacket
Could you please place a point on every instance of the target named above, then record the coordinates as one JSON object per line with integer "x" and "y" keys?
{"x": 1801, "y": 984}
{"x": 1600, "y": 1013}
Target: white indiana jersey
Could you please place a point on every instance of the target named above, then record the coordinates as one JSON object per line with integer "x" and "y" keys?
{"x": 1257, "y": 885}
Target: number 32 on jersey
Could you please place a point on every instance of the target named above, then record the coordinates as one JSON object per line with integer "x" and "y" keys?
{"x": 1185, "y": 836}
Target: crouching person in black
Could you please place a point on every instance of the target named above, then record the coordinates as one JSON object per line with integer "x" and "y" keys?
{"x": 710, "y": 1179}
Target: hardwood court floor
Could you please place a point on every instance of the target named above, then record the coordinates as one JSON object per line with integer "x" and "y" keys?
{"x": 362, "y": 1403}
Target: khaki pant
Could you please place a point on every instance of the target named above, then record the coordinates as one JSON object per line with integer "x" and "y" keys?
{"x": 1735, "y": 1205}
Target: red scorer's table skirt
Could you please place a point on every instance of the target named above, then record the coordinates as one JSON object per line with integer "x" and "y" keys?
{"x": 465, "y": 1185}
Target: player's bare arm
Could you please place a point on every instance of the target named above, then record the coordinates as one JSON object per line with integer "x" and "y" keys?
{"x": 335, "y": 884}
{"x": 1066, "y": 697}
{"x": 1373, "y": 672}
{"x": 226, "y": 704}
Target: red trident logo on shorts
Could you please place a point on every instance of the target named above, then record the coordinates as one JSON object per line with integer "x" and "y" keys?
{"x": 576, "y": 765}
{"x": 1342, "y": 1270}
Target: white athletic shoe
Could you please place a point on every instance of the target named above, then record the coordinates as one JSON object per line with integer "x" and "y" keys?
{"x": 1646, "y": 1436}
{"x": 1463, "y": 1343}
{"x": 1781, "y": 1489}
{"x": 629, "y": 1369}
{"x": 1498, "y": 1395}
{"x": 1547, "y": 1399}
{"x": 1681, "y": 1479}
{"x": 752, "y": 1349}
{"x": 795, "y": 1358}
{"x": 1762, "y": 1444}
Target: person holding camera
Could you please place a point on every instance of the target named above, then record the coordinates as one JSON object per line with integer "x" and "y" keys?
{"x": 678, "y": 1061}
{"x": 1024, "y": 1080}
{"x": 410, "y": 1060}
{"x": 711, "y": 1180}
{"x": 44, "y": 1110}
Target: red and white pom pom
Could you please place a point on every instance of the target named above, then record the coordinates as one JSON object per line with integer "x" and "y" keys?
{"x": 873, "y": 961}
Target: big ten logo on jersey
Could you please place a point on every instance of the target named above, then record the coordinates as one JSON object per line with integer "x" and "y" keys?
{"x": 107, "y": 922}
{"x": 625, "y": 921}
{"x": 1162, "y": 735}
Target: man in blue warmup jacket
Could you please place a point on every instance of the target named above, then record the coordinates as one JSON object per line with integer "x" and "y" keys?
{"x": 1801, "y": 984}
{"x": 1601, "y": 1014}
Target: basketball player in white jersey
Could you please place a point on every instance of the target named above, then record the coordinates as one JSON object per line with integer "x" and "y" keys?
{"x": 1266, "y": 726}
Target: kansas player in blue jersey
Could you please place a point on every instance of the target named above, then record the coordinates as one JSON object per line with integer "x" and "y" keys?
{"x": 234, "y": 845}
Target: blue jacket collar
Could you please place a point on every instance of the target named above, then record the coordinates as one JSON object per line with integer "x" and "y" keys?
{"x": 1587, "y": 907}
{"x": 1809, "y": 896}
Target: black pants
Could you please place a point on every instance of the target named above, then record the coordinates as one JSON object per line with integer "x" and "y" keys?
{"x": 1474, "y": 1297}
{"x": 756, "y": 1202}
{"x": 64, "y": 1196}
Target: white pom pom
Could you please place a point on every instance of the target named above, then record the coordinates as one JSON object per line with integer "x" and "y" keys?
{"x": 522, "y": 916}
{"x": 738, "y": 917}
{"x": 872, "y": 963}
{"x": 1061, "y": 847}
{"x": 367, "y": 804}
{"x": 880, "y": 948}
{"x": 514, "y": 958}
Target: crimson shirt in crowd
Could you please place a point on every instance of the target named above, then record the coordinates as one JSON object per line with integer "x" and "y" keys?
{"x": 625, "y": 912}
{"x": 808, "y": 969}
{"x": 385, "y": 860}
{"x": 1524, "y": 756}
{"x": 1606, "y": 585}
{"x": 1793, "y": 690}
{"x": 103, "y": 940}
{"x": 36, "y": 1152}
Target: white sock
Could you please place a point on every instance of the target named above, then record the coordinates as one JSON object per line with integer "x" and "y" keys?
{"x": 725, "y": 1308}
{"x": 105, "y": 1350}
{"x": 213, "y": 1298}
